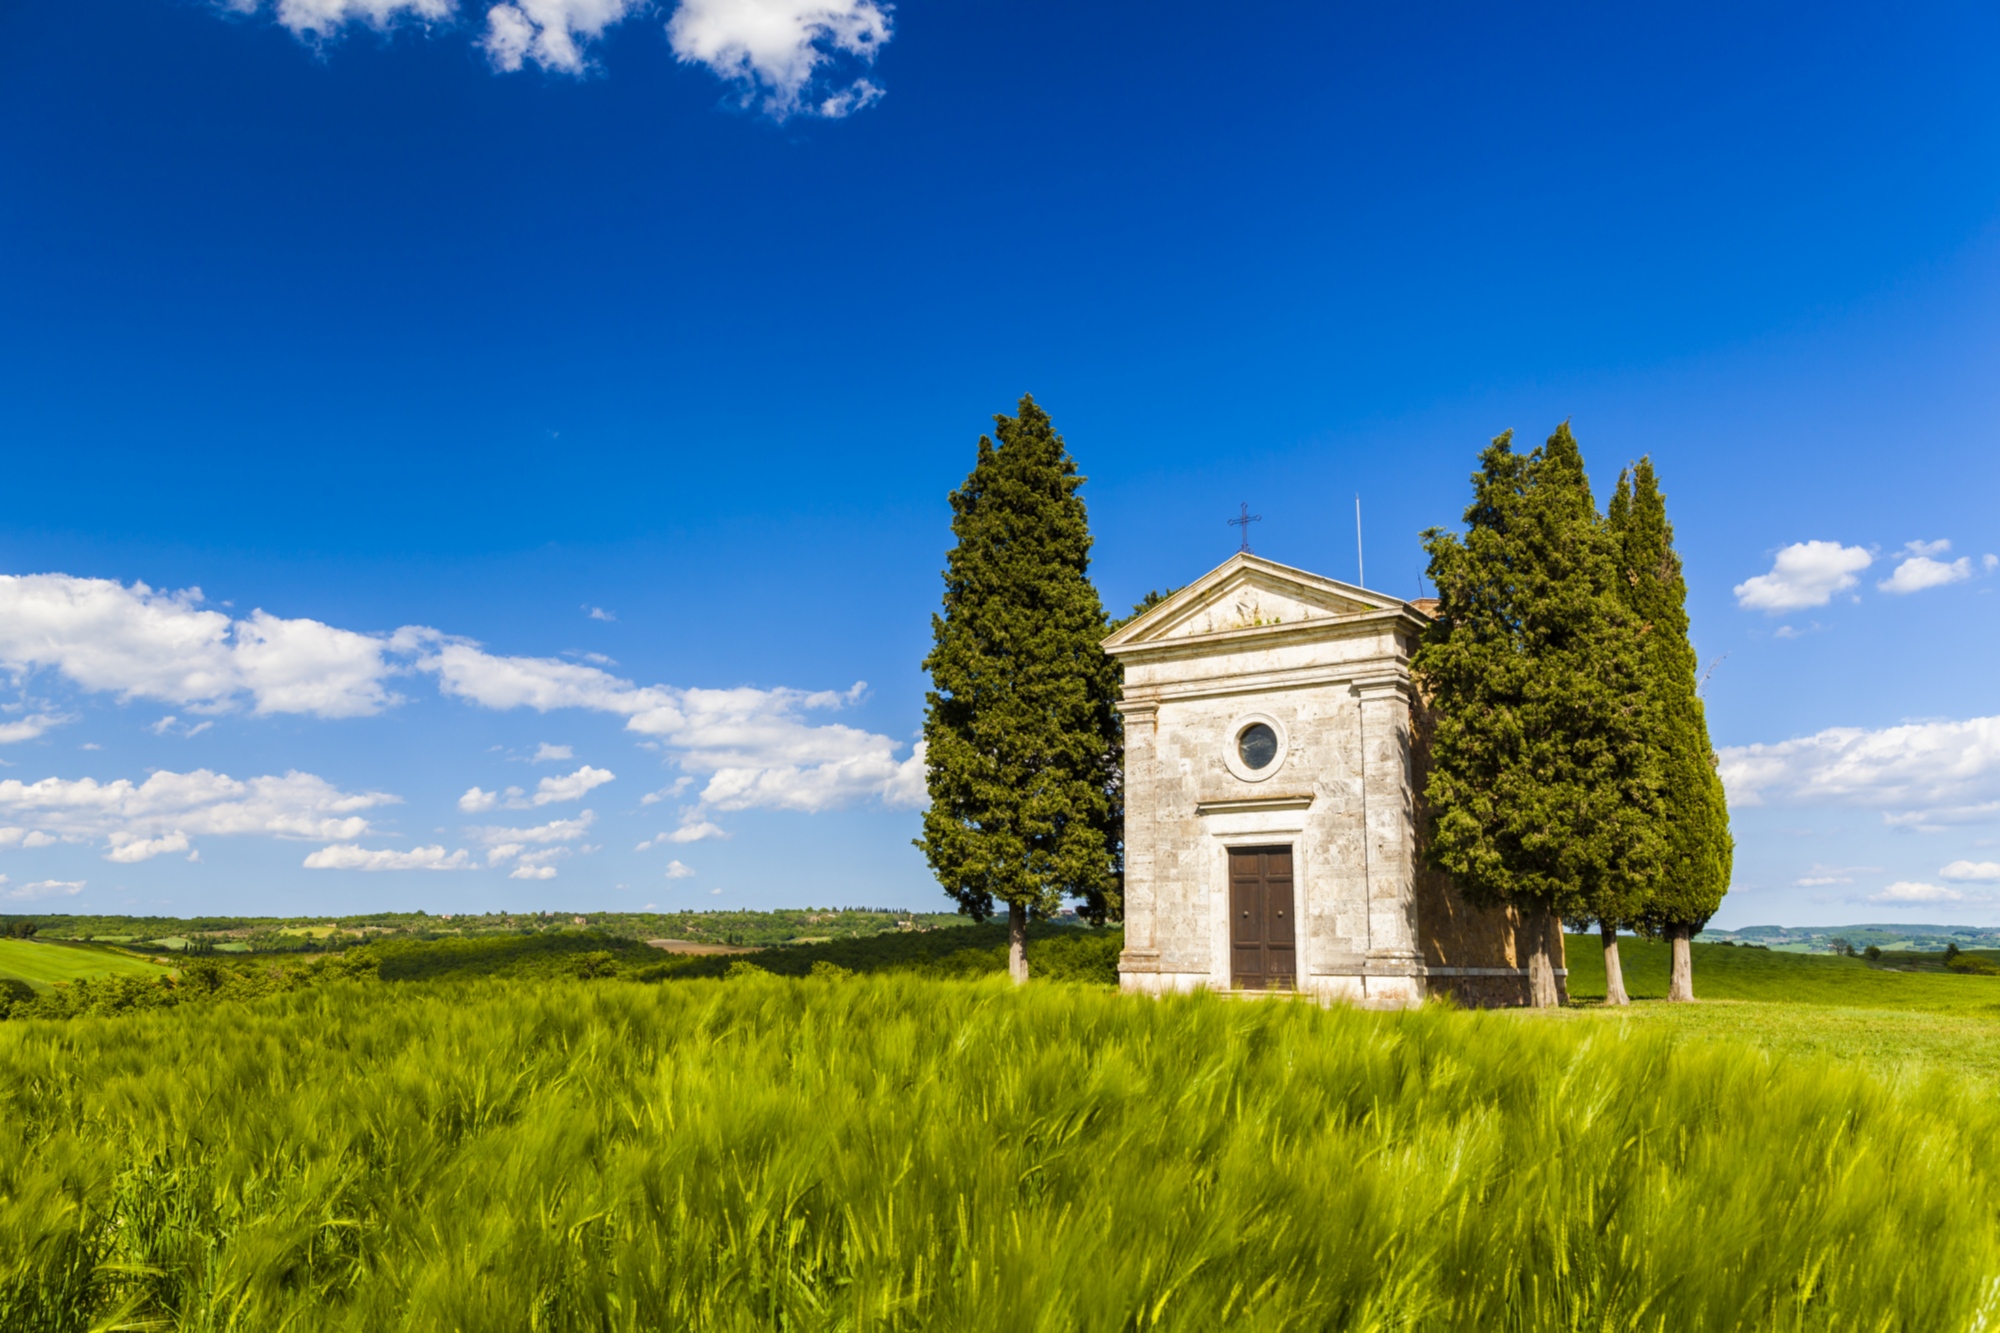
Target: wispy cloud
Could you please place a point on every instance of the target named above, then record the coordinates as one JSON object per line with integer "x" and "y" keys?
{"x": 44, "y": 888}
{"x": 1988, "y": 871}
{"x": 675, "y": 870}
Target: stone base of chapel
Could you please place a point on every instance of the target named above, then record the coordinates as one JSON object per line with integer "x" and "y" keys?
{"x": 1471, "y": 988}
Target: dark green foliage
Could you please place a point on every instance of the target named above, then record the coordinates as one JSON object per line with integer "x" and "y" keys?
{"x": 1022, "y": 736}
{"x": 554, "y": 954}
{"x": 1139, "y": 608}
{"x": 1699, "y": 852}
{"x": 1543, "y": 787}
{"x": 21, "y": 930}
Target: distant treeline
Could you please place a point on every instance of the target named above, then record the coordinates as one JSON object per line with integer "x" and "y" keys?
{"x": 330, "y": 934}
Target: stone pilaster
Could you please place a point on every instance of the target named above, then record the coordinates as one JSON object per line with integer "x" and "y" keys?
{"x": 1389, "y": 823}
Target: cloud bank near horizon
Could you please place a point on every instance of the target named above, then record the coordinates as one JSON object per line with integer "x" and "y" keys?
{"x": 749, "y": 748}
{"x": 777, "y": 53}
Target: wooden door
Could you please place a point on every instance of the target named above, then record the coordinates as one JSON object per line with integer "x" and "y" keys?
{"x": 1263, "y": 941}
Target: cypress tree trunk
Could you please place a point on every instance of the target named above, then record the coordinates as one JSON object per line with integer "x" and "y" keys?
{"x": 1614, "y": 971}
{"x": 1681, "y": 986}
{"x": 1017, "y": 942}
{"x": 1541, "y": 968}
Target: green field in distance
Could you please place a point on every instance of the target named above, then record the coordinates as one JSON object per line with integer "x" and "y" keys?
{"x": 43, "y": 963}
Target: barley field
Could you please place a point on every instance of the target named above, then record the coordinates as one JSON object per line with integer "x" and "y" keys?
{"x": 903, "y": 1152}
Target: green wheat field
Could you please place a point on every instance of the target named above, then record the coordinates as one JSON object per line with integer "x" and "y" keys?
{"x": 571, "y": 1138}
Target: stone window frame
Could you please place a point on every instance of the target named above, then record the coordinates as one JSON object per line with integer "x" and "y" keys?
{"x": 1234, "y": 761}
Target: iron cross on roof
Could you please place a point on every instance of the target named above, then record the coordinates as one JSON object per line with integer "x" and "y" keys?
{"x": 1244, "y": 523}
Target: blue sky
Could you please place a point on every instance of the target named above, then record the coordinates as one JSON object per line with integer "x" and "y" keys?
{"x": 426, "y": 329}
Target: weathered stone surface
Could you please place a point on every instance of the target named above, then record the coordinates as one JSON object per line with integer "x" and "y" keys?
{"x": 1326, "y": 666}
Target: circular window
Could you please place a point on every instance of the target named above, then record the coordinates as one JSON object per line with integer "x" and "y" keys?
{"x": 1257, "y": 746}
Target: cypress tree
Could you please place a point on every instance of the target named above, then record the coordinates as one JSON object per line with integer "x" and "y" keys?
{"x": 1699, "y": 852}
{"x": 1024, "y": 746}
{"x": 1543, "y": 790}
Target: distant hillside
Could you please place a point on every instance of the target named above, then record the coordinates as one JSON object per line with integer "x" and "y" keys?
{"x": 1893, "y": 937}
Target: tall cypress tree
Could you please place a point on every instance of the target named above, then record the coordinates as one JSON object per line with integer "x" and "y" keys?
{"x": 1543, "y": 785}
{"x": 1699, "y": 853}
{"x": 1024, "y": 745}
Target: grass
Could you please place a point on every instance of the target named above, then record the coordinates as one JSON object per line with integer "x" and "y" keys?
{"x": 43, "y": 963}
{"x": 898, "y": 1152}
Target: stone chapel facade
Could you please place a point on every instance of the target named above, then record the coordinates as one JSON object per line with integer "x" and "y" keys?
{"x": 1275, "y": 747}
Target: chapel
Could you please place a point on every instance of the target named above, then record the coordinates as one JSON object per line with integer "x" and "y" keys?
{"x": 1275, "y": 753}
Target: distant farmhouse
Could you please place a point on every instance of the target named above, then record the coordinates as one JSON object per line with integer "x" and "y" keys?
{"x": 1275, "y": 751}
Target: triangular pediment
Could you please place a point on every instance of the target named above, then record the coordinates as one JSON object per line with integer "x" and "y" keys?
{"x": 1249, "y": 592}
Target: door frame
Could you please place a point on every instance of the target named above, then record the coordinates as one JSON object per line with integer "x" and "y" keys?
{"x": 1221, "y": 974}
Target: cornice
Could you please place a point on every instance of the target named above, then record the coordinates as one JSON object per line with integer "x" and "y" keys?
{"x": 1363, "y": 675}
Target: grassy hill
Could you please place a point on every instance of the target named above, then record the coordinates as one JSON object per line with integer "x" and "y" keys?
{"x": 1732, "y": 972}
{"x": 1892, "y": 1023}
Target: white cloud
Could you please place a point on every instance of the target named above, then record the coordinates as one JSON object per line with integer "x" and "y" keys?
{"x": 756, "y": 746}
{"x": 1918, "y": 570}
{"x": 1931, "y": 772}
{"x": 130, "y": 849}
{"x": 694, "y": 831}
{"x": 556, "y": 830}
{"x": 775, "y": 48}
{"x": 319, "y": 19}
{"x": 1804, "y": 574}
{"x": 46, "y": 888}
{"x": 1971, "y": 870}
{"x": 675, "y": 870}
{"x": 349, "y": 856}
{"x": 571, "y": 786}
{"x": 598, "y": 613}
{"x": 31, "y": 727}
{"x": 141, "y": 644}
{"x": 503, "y": 853}
{"x": 1907, "y": 891}
{"x": 552, "y": 33}
{"x": 546, "y": 754}
{"x": 475, "y": 801}
{"x": 167, "y": 808}
{"x": 539, "y": 864}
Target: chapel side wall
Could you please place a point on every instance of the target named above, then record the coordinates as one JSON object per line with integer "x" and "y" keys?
{"x": 1452, "y": 932}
